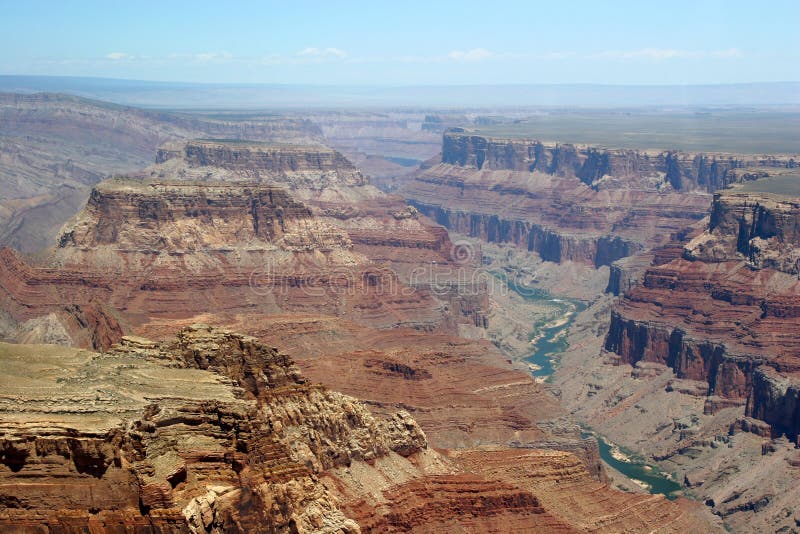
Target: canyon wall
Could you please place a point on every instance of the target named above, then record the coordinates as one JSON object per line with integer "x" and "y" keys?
{"x": 725, "y": 313}
{"x": 549, "y": 244}
{"x": 249, "y": 156}
{"x": 213, "y": 431}
{"x": 564, "y": 203}
{"x": 54, "y": 148}
{"x": 765, "y": 229}
{"x": 592, "y": 165}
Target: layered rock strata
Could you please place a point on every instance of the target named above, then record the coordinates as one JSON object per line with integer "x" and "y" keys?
{"x": 563, "y": 203}
{"x": 53, "y": 148}
{"x": 214, "y": 431}
{"x": 241, "y": 227}
{"x": 601, "y": 167}
{"x": 729, "y": 461}
{"x": 726, "y": 312}
{"x": 209, "y": 432}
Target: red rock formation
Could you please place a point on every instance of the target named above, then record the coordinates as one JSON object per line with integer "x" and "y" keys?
{"x": 562, "y": 484}
{"x": 177, "y": 249}
{"x": 727, "y": 311}
{"x": 594, "y": 166}
{"x": 539, "y": 198}
{"x": 163, "y": 456}
{"x": 214, "y": 431}
{"x": 160, "y": 253}
{"x": 462, "y": 392}
{"x": 54, "y": 147}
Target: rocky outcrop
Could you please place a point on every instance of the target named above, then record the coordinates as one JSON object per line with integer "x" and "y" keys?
{"x": 725, "y": 459}
{"x": 163, "y": 455}
{"x": 628, "y": 273}
{"x": 560, "y": 481}
{"x": 776, "y": 400}
{"x": 551, "y": 200}
{"x": 54, "y": 148}
{"x": 725, "y": 313}
{"x": 550, "y": 245}
{"x": 214, "y": 431}
{"x": 183, "y": 238}
{"x": 156, "y": 216}
{"x": 595, "y": 166}
{"x": 763, "y": 229}
{"x": 314, "y": 167}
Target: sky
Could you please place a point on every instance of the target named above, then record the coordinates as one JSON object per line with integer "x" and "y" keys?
{"x": 409, "y": 42}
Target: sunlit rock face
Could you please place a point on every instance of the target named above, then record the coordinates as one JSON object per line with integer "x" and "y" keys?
{"x": 214, "y": 431}
{"x": 566, "y": 202}
{"x": 233, "y": 227}
{"x": 726, "y": 311}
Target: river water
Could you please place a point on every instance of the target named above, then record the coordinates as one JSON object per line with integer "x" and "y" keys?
{"x": 549, "y": 340}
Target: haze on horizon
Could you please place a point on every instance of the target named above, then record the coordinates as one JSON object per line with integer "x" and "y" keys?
{"x": 412, "y": 43}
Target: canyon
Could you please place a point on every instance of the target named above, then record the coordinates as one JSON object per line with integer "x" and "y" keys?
{"x": 573, "y": 203}
{"x": 693, "y": 366}
{"x": 55, "y": 147}
{"x": 723, "y": 313}
{"x": 186, "y": 237}
{"x": 293, "y": 247}
{"x": 214, "y": 431}
{"x": 338, "y": 286}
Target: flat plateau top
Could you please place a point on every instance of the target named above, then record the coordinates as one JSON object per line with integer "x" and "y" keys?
{"x": 56, "y": 389}
{"x": 735, "y": 132}
{"x": 785, "y": 185}
{"x": 155, "y": 186}
{"x": 260, "y": 145}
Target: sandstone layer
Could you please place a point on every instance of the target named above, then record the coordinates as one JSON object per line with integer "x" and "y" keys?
{"x": 726, "y": 312}
{"x": 214, "y": 431}
{"x": 241, "y": 227}
{"x": 600, "y": 167}
{"x": 53, "y": 148}
{"x": 293, "y": 246}
{"x": 722, "y": 458}
{"x": 563, "y": 202}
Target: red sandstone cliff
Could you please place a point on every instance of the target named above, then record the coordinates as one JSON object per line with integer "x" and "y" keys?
{"x": 726, "y": 313}
{"x": 563, "y": 202}
{"x": 213, "y": 431}
{"x": 166, "y": 251}
{"x": 244, "y": 227}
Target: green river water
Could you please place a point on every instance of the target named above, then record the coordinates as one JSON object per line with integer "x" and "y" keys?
{"x": 549, "y": 341}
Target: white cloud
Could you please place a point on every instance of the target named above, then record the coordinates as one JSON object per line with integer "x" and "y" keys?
{"x": 660, "y": 54}
{"x": 729, "y": 53}
{"x": 205, "y": 57}
{"x": 323, "y": 52}
{"x": 476, "y": 54}
{"x": 117, "y": 56}
{"x": 554, "y": 56}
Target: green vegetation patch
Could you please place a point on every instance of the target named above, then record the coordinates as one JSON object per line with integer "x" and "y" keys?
{"x": 786, "y": 185}
{"x": 745, "y": 132}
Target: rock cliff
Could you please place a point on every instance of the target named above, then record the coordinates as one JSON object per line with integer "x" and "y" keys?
{"x": 54, "y": 147}
{"x": 209, "y": 432}
{"x": 764, "y": 229}
{"x": 284, "y": 229}
{"x": 725, "y": 313}
{"x": 601, "y": 167}
{"x": 213, "y": 431}
{"x": 563, "y": 203}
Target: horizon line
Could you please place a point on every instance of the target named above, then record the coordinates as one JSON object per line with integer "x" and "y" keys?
{"x": 397, "y": 86}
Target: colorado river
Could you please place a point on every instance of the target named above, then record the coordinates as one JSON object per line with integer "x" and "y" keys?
{"x": 549, "y": 339}
{"x": 646, "y": 476}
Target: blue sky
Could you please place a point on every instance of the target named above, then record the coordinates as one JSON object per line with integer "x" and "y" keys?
{"x": 405, "y": 43}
